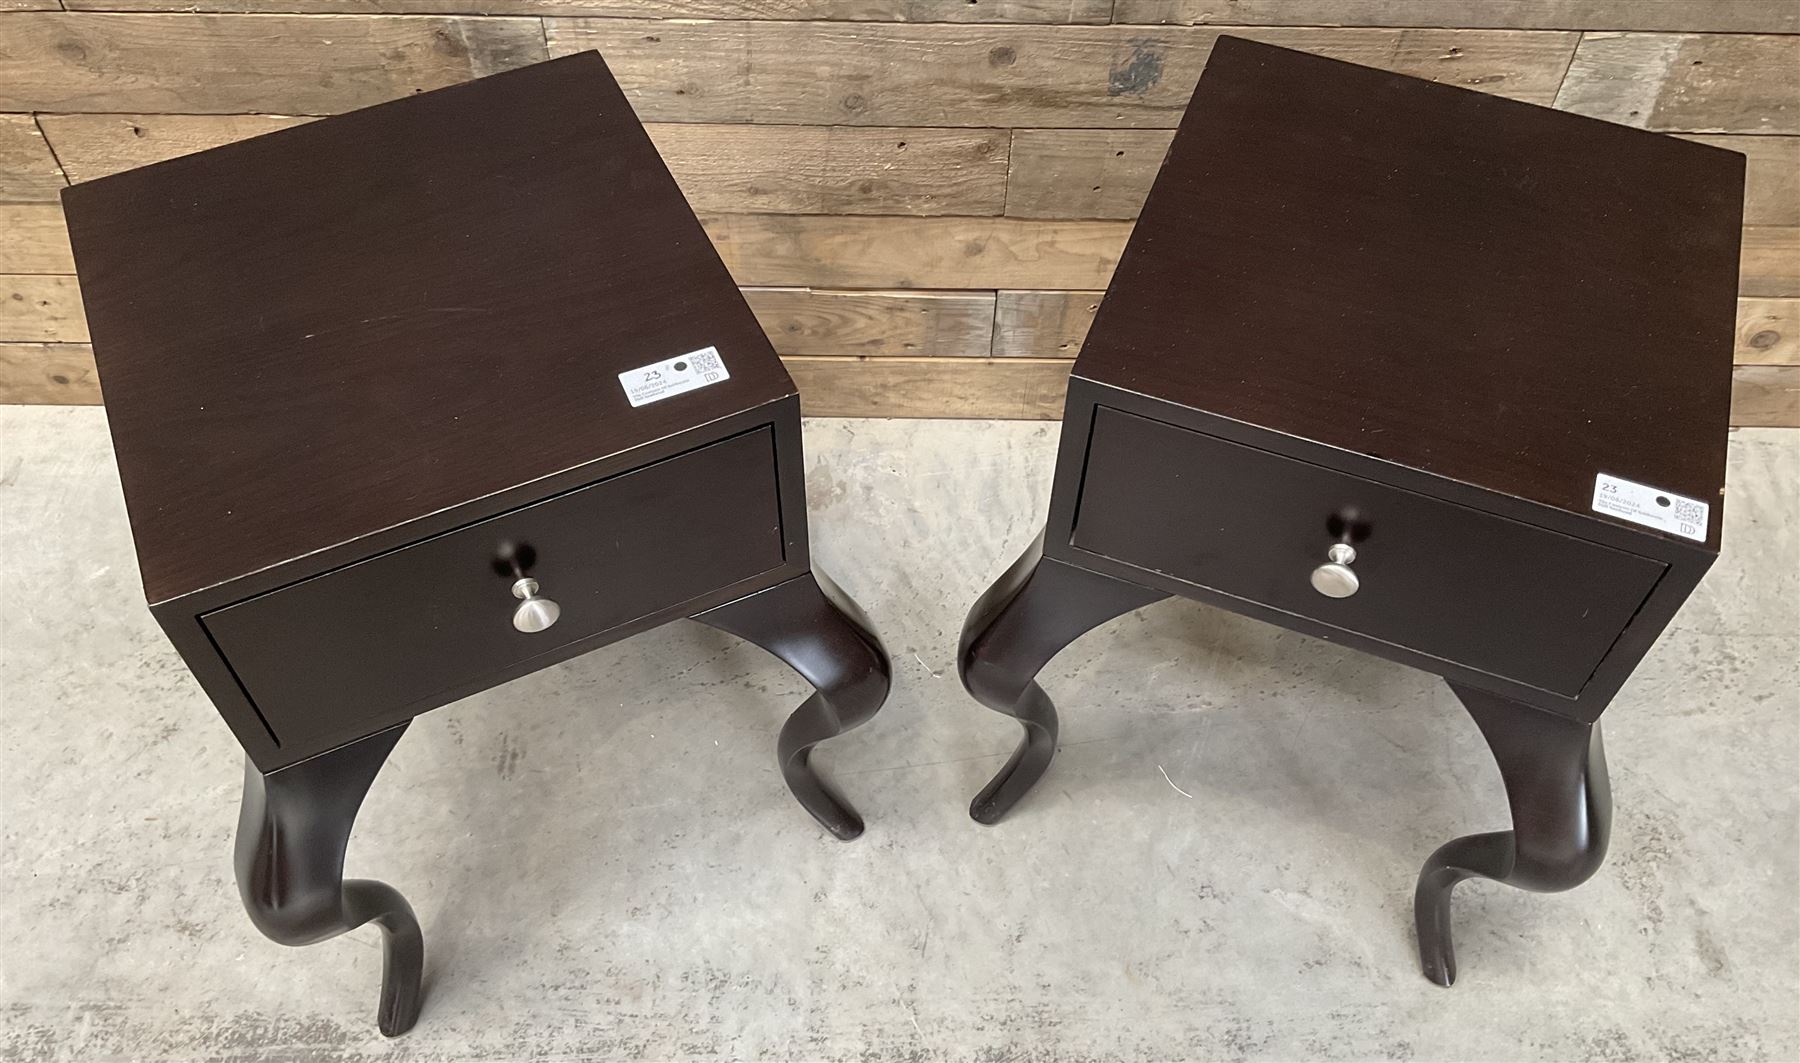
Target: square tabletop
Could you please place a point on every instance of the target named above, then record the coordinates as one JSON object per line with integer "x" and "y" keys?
{"x": 337, "y": 328}
{"x": 1492, "y": 292}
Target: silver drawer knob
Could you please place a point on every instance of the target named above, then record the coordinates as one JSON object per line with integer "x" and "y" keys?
{"x": 1334, "y": 578}
{"x": 535, "y": 612}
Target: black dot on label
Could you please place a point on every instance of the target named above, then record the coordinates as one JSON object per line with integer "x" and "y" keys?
{"x": 681, "y": 367}
{"x": 1661, "y": 501}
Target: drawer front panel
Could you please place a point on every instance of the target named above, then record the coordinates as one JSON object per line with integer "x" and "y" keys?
{"x": 349, "y": 650}
{"x": 1482, "y": 591}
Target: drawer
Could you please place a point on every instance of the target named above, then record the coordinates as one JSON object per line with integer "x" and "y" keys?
{"x": 1457, "y": 584}
{"x": 345, "y": 652}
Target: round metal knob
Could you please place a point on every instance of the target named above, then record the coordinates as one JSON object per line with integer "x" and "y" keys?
{"x": 1334, "y": 578}
{"x": 535, "y": 612}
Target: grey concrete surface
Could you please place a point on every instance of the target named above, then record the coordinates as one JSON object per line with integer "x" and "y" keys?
{"x": 607, "y": 866}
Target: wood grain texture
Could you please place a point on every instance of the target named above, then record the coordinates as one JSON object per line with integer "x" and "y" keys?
{"x": 1043, "y": 324}
{"x": 42, "y": 309}
{"x": 1768, "y": 332}
{"x": 29, "y": 5}
{"x": 1054, "y": 324}
{"x": 1771, "y": 176}
{"x": 721, "y": 168}
{"x": 28, "y": 172}
{"x": 1106, "y": 173}
{"x": 1686, "y": 16}
{"x": 827, "y": 73}
{"x": 1083, "y": 173}
{"x": 836, "y": 170}
{"x": 96, "y": 145}
{"x": 1010, "y": 388}
{"x": 1022, "y": 11}
{"x": 850, "y": 252}
{"x": 1766, "y": 396}
{"x": 801, "y": 321}
{"x": 1689, "y": 83}
{"x": 1770, "y": 263}
{"x": 33, "y": 239}
{"x": 226, "y": 63}
{"x": 48, "y": 374}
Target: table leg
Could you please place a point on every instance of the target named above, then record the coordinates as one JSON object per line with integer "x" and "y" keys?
{"x": 1554, "y": 769}
{"x": 1038, "y": 607}
{"x": 292, "y": 833}
{"x": 814, "y": 627}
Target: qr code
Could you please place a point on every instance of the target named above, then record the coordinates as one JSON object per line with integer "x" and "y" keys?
{"x": 1688, "y": 512}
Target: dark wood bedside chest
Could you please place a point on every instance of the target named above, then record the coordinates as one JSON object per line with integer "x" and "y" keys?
{"x": 1434, "y": 374}
{"x": 419, "y": 399}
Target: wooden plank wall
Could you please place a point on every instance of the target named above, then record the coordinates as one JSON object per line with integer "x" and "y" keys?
{"x": 923, "y": 199}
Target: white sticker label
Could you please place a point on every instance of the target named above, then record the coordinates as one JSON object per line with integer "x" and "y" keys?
{"x": 1672, "y": 513}
{"x": 653, "y": 383}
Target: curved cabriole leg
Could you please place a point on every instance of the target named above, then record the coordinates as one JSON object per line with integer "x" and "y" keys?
{"x": 1038, "y": 607}
{"x": 814, "y": 627}
{"x": 1555, "y": 774}
{"x": 292, "y": 833}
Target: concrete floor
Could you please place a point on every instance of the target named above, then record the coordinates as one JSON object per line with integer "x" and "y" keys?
{"x": 606, "y": 864}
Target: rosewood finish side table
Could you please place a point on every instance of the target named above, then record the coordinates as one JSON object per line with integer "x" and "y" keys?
{"x": 1434, "y": 374}
{"x": 419, "y": 399}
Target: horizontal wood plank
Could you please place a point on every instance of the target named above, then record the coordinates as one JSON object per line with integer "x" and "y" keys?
{"x": 41, "y": 308}
{"x": 1683, "y": 16}
{"x": 1687, "y": 83}
{"x": 836, "y": 169}
{"x": 1770, "y": 262}
{"x": 1765, "y": 396}
{"x": 28, "y": 172}
{"x": 824, "y": 73}
{"x": 241, "y": 63}
{"x": 48, "y": 374}
{"x": 1768, "y": 332}
{"x": 1051, "y": 324}
{"x": 1771, "y": 176}
{"x": 1011, "y": 388}
{"x": 721, "y": 168}
{"x": 96, "y": 145}
{"x": 33, "y": 239}
{"x": 1022, "y": 11}
{"x": 1106, "y": 173}
{"x": 801, "y": 321}
{"x": 852, "y": 252}
{"x": 1042, "y": 324}
{"x": 1083, "y": 173}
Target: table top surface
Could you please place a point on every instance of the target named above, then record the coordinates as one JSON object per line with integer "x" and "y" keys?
{"x": 1489, "y": 291}
{"x": 335, "y": 329}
